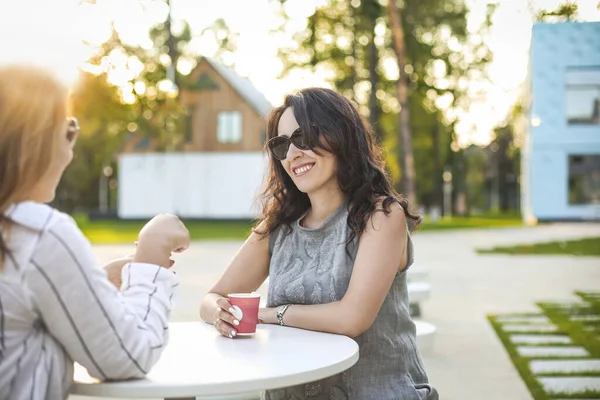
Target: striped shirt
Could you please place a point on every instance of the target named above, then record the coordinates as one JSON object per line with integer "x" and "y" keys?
{"x": 57, "y": 306}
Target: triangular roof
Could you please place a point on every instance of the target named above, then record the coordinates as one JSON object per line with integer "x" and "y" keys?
{"x": 243, "y": 86}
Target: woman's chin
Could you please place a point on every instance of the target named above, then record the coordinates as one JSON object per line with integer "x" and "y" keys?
{"x": 49, "y": 197}
{"x": 305, "y": 187}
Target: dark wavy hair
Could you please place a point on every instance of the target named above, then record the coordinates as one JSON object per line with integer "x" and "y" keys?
{"x": 331, "y": 123}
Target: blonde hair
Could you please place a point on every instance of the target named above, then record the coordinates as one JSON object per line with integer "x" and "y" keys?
{"x": 33, "y": 110}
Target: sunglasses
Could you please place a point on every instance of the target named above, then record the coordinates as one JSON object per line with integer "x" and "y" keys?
{"x": 72, "y": 129}
{"x": 279, "y": 145}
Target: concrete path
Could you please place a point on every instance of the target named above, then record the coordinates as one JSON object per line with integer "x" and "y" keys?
{"x": 467, "y": 361}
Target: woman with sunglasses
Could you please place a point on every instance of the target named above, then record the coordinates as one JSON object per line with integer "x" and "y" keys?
{"x": 56, "y": 305}
{"x": 334, "y": 239}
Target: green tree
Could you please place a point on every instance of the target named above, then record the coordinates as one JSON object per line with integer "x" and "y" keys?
{"x": 564, "y": 12}
{"x": 505, "y": 159}
{"x": 476, "y": 171}
{"x": 158, "y": 116}
{"x": 142, "y": 107}
{"x": 225, "y": 38}
{"x": 402, "y": 84}
{"x": 492, "y": 171}
{"x": 441, "y": 58}
{"x": 372, "y": 10}
{"x": 103, "y": 120}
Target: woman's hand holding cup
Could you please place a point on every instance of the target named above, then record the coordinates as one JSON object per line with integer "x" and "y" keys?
{"x": 237, "y": 314}
{"x": 226, "y": 319}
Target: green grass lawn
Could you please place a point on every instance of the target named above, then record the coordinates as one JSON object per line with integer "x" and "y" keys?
{"x": 114, "y": 231}
{"x": 127, "y": 231}
{"x": 471, "y": 222}
{"x": 582, "y": 247}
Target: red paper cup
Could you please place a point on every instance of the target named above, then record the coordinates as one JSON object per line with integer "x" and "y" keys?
{"x": 245, "y": 306}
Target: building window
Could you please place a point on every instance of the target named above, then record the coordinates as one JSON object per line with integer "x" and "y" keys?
{"x": 229, "y": 127}
{"x": 584, "y": 179}
{"x": 583, "y": 96}
{"x": 189, "y": 121}
{"x": 263, "y": 136}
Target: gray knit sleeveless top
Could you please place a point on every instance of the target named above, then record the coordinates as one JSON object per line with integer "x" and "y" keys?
{"x": 312, "y": 266}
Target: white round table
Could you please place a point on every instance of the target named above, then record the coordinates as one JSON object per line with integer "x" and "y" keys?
{"x": 200, "y": 362}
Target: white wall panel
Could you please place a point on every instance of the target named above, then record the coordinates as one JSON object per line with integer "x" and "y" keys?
{"x": 191, "y": 185}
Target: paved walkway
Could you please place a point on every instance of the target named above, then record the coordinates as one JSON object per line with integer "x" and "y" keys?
{"x": 467, "y": 361}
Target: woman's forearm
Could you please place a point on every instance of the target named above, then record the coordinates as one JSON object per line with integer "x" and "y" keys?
{"x": 335, "y": 317}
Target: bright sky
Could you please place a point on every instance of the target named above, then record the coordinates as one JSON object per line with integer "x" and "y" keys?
{"x": 50, "y": 33}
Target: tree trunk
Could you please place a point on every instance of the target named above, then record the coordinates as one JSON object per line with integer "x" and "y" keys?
{"x": 353, "y": 51}
{"x": 407, "y": 161}
{"x": 437, "y": 168}
{"x": 172, "y": 51}
{"x": 374, "y": 79}
{"x": 503, "y": 172}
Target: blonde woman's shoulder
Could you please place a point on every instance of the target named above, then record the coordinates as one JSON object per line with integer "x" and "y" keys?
{"x": 38, "y": 217}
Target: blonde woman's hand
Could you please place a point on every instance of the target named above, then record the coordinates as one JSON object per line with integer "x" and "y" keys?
{"x": 162, "y": 235}
{"x": 113, "y": 270}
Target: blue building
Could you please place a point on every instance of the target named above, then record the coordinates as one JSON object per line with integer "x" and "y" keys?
{"x": 561, "y": 149}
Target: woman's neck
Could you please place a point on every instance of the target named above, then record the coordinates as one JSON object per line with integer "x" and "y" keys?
{"x": 322, "y": 205}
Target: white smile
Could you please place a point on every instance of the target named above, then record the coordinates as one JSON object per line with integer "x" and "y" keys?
{"x": 299, "y": 171}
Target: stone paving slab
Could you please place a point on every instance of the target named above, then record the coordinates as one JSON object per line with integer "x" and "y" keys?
{"x": 591, "y": 318}
{"x": 552, "y": 351}
{"x": 529, "y": 328}
{"x": 574, "y": 309}
{"x": 564, "y": 366}
{"x": 521, "y": 319}
{"x": 540, "y": 339}
{"x": 593, "y": 295}
{"x": 568, "y": 303}
{"x": 568, "y": 384}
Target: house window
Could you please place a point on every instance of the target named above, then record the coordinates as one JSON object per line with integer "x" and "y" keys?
{"x": 584, "y": 179}
{"x": 583, "y": 96}
{"x": 229, "y": 127}
{"x": 263, "y": 136}
{"x": 189, "y": 121}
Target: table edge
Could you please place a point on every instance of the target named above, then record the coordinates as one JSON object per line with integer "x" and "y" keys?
{"x": 217, "y": 389}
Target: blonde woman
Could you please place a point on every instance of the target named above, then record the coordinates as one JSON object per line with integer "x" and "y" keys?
{"x": 56, "y": 305}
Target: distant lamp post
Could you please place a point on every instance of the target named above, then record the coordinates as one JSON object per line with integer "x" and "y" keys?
{"x": 107, "y": 172}
{"x": 168, "y": 86}
{"x": 447, "y": 189}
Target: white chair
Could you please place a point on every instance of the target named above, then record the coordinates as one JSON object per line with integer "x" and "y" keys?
{"x": 418, "y": 291}
{"x": 425, "y": 334}
{"x": 418, "y": 288}
{"x": 417, "y": 274}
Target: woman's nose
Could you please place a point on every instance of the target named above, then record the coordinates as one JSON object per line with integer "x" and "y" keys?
{"x": 293, "y": 152}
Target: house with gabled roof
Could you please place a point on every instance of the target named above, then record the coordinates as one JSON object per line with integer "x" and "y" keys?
{"x": 226, "y": 111}
{"x": 218, "y": 170}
